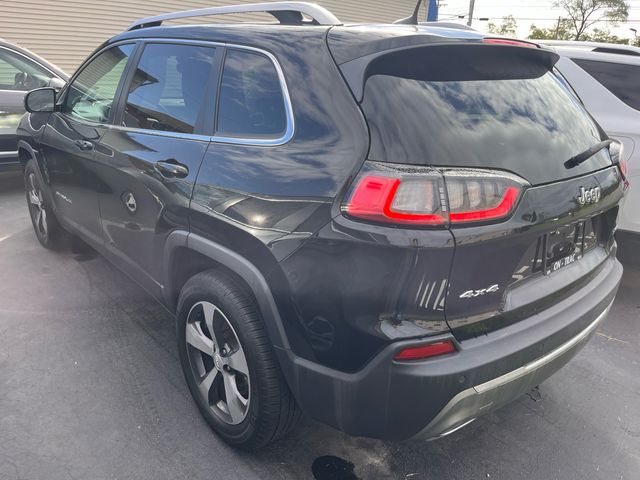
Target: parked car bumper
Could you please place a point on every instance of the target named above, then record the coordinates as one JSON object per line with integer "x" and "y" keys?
{"x": 428, "y": 399}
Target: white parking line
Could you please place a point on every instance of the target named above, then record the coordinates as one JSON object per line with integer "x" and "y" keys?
{"x": 4, "y": 238}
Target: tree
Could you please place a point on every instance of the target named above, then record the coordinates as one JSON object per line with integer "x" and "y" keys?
{"x": 585, "y": 13}
{"x": 562, "y": 31}
{"x": 507, "y": 27}
{"x": 604, "y": 36}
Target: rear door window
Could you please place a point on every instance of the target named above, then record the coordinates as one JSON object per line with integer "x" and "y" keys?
{"x": 620, "y": 79}
{"x": 169, "y": 88}
{"x": 251, "y": 100}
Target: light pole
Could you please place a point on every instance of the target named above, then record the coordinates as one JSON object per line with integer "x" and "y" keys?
{"x": 635, "y": 32}
{"x": 472, "y": 4}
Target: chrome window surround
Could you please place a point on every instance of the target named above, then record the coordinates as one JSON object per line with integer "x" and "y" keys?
{"x": 290, "y": 128}
{"x": 249, "y": 141}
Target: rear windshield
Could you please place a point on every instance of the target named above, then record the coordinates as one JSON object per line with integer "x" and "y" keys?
{"x": 508, "y": 113}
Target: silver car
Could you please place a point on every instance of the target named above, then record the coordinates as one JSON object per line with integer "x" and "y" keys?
{"x": 20, "y": 71}
{"x": 606, "y": 77}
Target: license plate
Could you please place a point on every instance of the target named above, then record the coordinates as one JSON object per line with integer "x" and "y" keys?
{"x": 563, "y": 247}
{"x": 563, "y": 262}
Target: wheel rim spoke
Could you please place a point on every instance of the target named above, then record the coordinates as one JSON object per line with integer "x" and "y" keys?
{"x": 236, "y": 403}
{"x": 238, "y": 362}
{"x": 33, "y": 198}
{"x": 197, "y": 339}
{"x": 38, "y": 215}
{"x": 209, "y": 312}
{"x": 207, "y": 382}
{"x": 43, "y": 220}
{"x": 218, "y": 363}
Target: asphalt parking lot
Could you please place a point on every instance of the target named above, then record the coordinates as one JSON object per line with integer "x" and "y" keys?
{"x": 91, "y": 388}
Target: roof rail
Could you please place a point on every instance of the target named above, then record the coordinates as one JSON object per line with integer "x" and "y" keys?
{"x": 287, "y": 13}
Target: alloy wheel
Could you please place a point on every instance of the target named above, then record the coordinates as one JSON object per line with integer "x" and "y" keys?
{"x": 36, "y": 207}
{"x": 218, "y": 363}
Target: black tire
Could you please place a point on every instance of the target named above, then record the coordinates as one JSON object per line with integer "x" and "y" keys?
{"x": 271, "y": 411}
{"x": 44, "y": 221}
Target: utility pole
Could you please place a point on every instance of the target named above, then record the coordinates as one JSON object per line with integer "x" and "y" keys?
{"x": 558, "y": 27}
{"x": 472, "y": 4}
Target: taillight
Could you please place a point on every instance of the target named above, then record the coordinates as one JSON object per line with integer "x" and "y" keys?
{"x": 424, "y": 196}
{"x": 508, "y": 41}
{"x": 616, "y": 150}
{"x": 428, "y": 350}
{"x": 403, "y": 199}
{"x": 479, "y": 196}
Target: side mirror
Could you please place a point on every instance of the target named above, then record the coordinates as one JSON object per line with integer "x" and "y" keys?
{"x": 40, "y": 100}
{"x": 56, "y": 83}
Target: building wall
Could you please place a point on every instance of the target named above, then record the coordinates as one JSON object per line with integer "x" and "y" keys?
{"x": 66, "y": 31}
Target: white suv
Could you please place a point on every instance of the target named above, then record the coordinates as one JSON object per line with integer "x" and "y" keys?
{"x": 606, "y": 77}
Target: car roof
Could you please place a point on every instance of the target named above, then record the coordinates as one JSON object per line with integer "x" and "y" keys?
{"x": 347, "y": 41}
{"x": 600, "y": 56}
{"x": 595, "y": 47}
{"x": 294, "y": 18}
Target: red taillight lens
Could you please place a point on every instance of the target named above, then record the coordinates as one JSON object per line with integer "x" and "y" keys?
{"x": 623, "y": 165}
{"x": 507, "y": 41}
{"x": 425, "y": 351}
{"x": 616, "y": 150}
{"x": 396, "y": 200}
{"x": 425, "y": 196}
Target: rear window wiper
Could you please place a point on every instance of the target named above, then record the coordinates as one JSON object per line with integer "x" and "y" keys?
{"x": 587, "y": 154}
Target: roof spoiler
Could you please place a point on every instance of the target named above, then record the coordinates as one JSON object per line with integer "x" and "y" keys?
{"x": 492, "y": 61}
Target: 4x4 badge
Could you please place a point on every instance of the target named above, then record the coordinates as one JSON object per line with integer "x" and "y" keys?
{"x": 590, "y": 195}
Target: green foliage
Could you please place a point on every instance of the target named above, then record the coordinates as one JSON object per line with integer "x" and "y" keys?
{"x": 603, "y": 36}
{"x": 507, "y": 28}
{"x": 583, "y": 14}
{"x": 562, "y": 31}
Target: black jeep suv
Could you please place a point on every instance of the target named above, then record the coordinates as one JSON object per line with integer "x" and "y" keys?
{"x": 391, "y": 228}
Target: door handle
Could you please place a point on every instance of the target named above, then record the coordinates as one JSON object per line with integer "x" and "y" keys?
{"x": 172, "y": 169}
{"x": 83, "y": 144}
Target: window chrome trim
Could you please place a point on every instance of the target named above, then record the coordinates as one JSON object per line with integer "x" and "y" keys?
{"x": 158, "y": 133}
{"x": 248, "y": 141}
{"x": 290, "y": 128}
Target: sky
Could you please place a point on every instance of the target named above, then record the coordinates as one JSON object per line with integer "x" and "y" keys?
{"x": 528, "y": 12}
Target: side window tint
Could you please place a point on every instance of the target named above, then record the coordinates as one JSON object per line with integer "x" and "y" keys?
{"x": 618, "y": 78}
{"x": 19, "y": 73}
{"x": 168, "y": 89}
{"x": 91, "y": 95}
{"x": 251, "y": 100}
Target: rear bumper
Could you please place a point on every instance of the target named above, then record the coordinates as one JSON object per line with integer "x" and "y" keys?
{"x": 467, "y": 405}
{"x": 428, "y": 399}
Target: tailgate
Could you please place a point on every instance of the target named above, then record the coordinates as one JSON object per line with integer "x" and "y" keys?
{"x": 550, "y": 231}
